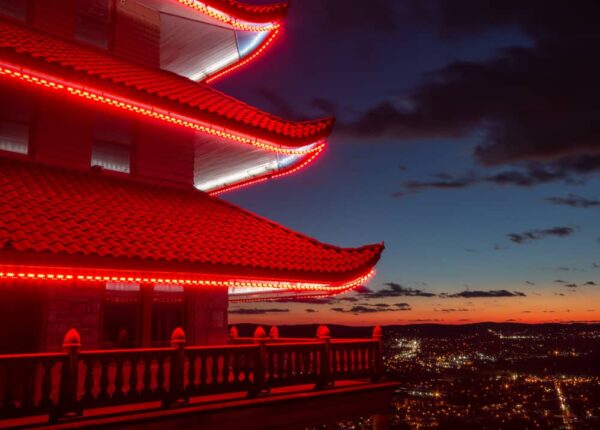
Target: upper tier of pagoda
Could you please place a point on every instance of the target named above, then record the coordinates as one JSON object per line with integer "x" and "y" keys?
{"x": 242, "y": 144}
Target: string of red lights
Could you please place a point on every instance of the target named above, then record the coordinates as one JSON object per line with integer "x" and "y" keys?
{"x": 9, "y": 273}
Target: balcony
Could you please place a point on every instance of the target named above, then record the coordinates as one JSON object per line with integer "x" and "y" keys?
{"x": 80, "y": 385}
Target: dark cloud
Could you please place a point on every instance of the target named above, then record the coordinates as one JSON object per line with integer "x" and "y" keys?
{"x": 449, "y": 310}
{"x": 574, "y": 200}
{"x": 396, "y": 290}
{"x": 560, "y": 281}
{"x": 328, "y": 107}
{"x": 530, "y": 283}
{"x": 571, "y": 285}
{"x": 530, "y": 235}
{"x": 280, "y": 106}
{"x": 530, "y": 110}
{"x": 368, "y": 309}
{"x": 257, "y": 311}
{"x": 371, "y": 16}
{"x": 492, "y": 293}
{"x": 526, "y": 175}
{"x": 310, "y": 310}
{"x": 591, "y": 283}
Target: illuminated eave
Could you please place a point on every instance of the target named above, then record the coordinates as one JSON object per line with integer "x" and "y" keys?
{"x": 244, "y": 61}
{"x": 304, "y": 156}
{"x": 266, "y": 32}
{"x": 231, "y": 20}
{"x": 262, "y": 289}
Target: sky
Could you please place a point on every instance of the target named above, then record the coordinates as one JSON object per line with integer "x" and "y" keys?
{"x": 467, "y": 139}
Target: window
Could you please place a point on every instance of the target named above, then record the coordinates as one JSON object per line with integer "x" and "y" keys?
{"x": 111, "y": 144}
{"x": 111, "y": 156}
{"x": 14, "y": 8}
{"x": 93, "y": 22}
{"x": 16, "y": 113}
{"x": 14, "y": 137}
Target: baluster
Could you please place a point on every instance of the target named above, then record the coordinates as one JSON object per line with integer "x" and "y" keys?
{"x": 133, "y": 376}
{"x": 160, "y": 375}
{"x": 270, "y": 366}
{"x": 334, "y": 361}
{"x": 119, "y": 379}
{"x": 191, "y": 373}
{"x": 203, "y": 372}
{"x": 215, "y": 369}
{"x": 104, "y": 379}
{"x": 247, "y": 368}
{"x": 236, "y": 368}
{"x": 364, "y": 351}
{"x": 147, "y": 381}
{"x": 46, "y": 395}
{"x": 280, "y": 370}
{"x": 88, "y": 381}
{"x": 342, "y": 360}
{"x": 8, "y": 405}
{"x": 27, "y": 403}
{"x": 226, "y": 370}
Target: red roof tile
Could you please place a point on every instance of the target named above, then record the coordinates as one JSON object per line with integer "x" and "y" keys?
{"x": 98, "y": 69}
{"x": 250, "y": 12}
{"x": 57, "y": 216}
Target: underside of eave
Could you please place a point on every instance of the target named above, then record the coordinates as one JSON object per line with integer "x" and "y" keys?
{"x": 105, "y": 86}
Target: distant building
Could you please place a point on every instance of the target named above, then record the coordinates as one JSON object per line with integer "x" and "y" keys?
{"x": 112, "y": 148}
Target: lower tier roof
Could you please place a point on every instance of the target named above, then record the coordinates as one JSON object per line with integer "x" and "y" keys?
{"x": 96, "y": 224}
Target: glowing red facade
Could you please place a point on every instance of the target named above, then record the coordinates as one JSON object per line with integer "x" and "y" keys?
{"x": 109, "y": 154}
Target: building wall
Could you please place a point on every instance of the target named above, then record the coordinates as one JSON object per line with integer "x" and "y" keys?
{"x": 137, "y": 33}
{"x": 72, "y": 306}
{"x": 207, "y": 316}
{"x": 56, "y": 17}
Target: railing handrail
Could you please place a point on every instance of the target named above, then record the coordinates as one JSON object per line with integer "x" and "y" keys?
{"x": 41, "y": 356}
{"x": 126, "y": 351}
{"x": 222, "y": 347}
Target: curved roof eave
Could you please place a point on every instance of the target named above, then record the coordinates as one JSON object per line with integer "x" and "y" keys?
{"x": 249, "y": 12}
{"x": 55, "y": 55}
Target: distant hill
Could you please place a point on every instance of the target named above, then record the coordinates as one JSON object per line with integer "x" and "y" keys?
{"x": 433, "y": 330}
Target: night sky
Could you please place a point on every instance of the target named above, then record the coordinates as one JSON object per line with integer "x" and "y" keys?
{"x": 468, "y": 139}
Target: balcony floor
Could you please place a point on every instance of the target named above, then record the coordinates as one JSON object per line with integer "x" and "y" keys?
{"x": 285, "y": 407}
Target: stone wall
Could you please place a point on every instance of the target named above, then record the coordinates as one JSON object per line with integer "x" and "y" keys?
{"x": 76, "y": 307}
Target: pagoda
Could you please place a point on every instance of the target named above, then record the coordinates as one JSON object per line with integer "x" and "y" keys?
{"x": 113, "y": 149}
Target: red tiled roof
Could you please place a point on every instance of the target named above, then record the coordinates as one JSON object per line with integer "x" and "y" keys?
{"x": 56, "y": 216}
{"x": 250, "y": 12}
{"x": 98, "y": 69}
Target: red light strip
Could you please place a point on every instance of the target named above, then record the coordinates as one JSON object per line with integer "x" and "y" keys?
{"x": 318, "y": 151}
{"x": 227, "y": 19}
{"x": 263, "y": 47}
{"x": 70, "y": 275}
{"x": 148, "y": 111}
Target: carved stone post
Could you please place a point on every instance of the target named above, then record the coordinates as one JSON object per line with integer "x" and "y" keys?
{"x": 176, "y": 392}
{"x": 324, "y": 379}
{"x": 377, "y": 360}
{"x": 274, "y": 333}
{"x": 233, "y": 334}
{"x": 67, "y": 394}
{"x": 260, "y": 363}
